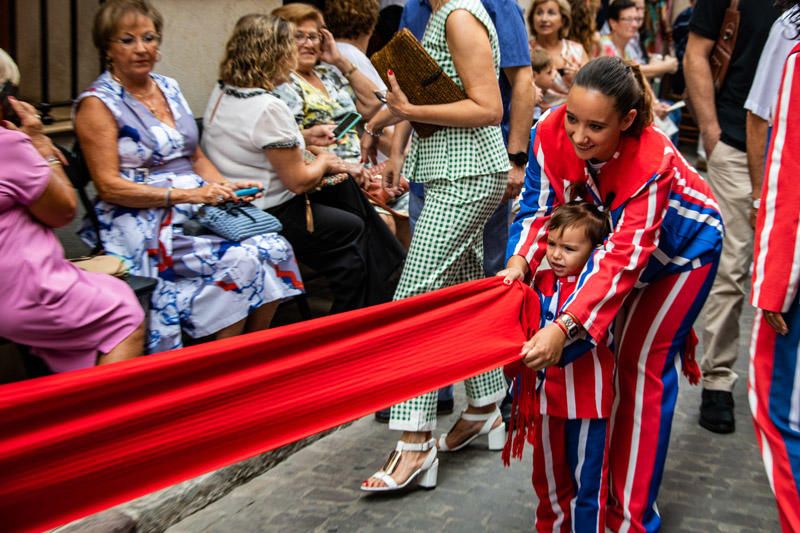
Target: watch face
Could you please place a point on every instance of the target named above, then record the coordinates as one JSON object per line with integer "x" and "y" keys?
{"x": 570, "y": 324}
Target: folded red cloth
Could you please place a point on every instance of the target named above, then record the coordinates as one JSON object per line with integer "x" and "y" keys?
{"x": 77, "y": 443}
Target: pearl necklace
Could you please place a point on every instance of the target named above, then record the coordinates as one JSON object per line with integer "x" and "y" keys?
{"x": 144, "y": 98}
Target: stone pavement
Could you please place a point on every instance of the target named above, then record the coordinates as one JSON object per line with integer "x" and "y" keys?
{"x": 712, "y": 483}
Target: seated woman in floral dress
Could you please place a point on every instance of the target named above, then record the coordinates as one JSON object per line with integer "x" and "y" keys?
{"x": 318, "y": 94}
{"x": 140, "y": 143}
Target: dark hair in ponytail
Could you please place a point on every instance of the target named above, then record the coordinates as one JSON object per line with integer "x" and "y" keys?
{"x": 625, "y": 83}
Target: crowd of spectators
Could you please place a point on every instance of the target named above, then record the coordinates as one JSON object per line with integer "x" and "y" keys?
{"x": 573, "y": 114}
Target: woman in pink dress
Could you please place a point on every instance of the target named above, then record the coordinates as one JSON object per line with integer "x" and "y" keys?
{"x": 70, "y": 318}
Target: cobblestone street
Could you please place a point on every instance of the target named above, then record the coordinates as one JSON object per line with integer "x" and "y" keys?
{"x": 712, "y": 483}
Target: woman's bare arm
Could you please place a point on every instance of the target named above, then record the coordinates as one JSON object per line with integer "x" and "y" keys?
{"x": 297, "y": 175}
{"x": 97, "y": 132}
{"x": 471, "y": 49}
{"x": 56, "y": 206}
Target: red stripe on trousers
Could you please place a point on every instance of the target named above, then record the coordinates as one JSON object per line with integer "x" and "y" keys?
{"x": 784, "y": 484}
{"x": 553, "y": 444}
{"x": 641, "y": 309}
{"x": 556, "y": 447}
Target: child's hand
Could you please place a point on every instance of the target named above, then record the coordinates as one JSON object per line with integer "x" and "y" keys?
{"x": 511, "y": 274}
{"x": 544, "y": 348}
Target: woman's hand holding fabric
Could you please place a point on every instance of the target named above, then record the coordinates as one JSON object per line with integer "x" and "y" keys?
{"x": 320, "y": 135}
{"x": 544, "y": 348}
{"x": 511, "y": 274}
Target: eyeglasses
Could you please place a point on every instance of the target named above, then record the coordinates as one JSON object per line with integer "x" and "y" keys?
{"x": 301, "y": 37}
{"x": 637, "y": 20}
{"x": 129, "y": 41}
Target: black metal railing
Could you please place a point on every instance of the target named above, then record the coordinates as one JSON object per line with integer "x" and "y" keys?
{"x": 45, "y": 105}
{"x": 12, "y": 12}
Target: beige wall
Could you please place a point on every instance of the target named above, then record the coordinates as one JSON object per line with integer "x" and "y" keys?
{"x": 195, "y": 32}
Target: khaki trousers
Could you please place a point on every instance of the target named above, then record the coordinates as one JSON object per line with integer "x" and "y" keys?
{"x": 730, "y": 181}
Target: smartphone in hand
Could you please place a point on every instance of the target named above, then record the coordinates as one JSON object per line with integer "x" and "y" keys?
{"x": 346, "y": 124}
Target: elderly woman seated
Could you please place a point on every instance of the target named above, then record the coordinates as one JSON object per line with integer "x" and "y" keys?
{"x": 140, "y": 143}
{"x": 318, "y": 95}
{"x": 70, "y": 318}
{"x": 250, "y": 134}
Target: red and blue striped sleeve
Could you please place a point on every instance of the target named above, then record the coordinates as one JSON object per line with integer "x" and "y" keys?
{"x": 777, "y": 242}
{"x": 612, "y": 272}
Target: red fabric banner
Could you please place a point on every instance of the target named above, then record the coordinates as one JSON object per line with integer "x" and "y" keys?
{"x": 78, "y": 443}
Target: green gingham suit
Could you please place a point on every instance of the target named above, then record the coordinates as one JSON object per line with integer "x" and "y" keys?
{"x": 464, "y": 172}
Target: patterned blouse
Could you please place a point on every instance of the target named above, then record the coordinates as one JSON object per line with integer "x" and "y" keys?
{"x": 609, "y": 49}
{"x": 311, "y": 106}
{"x": 453, "y": 153}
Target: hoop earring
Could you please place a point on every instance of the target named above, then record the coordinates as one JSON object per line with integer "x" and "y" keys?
{"x": 158, "y": 55}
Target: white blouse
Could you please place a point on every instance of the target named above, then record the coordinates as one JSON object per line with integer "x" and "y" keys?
{"x": 238, "y": 125}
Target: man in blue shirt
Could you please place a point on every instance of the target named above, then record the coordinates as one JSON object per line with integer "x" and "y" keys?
{"x": 516, "y": 90}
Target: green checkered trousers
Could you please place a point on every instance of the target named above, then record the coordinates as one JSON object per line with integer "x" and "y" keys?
{"x": 447, "y": 249}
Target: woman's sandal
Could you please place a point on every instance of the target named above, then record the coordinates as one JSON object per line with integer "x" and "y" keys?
{"x": 496, "y": 436}
{"x": 427, "y": 473}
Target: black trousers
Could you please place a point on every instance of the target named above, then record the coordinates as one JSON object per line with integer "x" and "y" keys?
{"x": 351, "y": 246}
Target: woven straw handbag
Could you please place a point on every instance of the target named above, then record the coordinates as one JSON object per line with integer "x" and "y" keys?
{"x": 418, "y": 74}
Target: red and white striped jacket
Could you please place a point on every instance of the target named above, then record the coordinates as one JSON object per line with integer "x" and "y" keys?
{"x": 581, "y": 385}
{"x": 664, "y": 215}
{"x": 776, "y": 258}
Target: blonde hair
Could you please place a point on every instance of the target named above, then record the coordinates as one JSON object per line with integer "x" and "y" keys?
{"x": 260, "y": 51}
{"x": 299, "y": 13}
{"x": 108, "y": 15}
{"x": 566, "y": 16}
{"x": 9, "y": 72}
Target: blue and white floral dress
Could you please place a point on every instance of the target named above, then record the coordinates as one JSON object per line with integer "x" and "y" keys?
{"x": 205, "y": 283}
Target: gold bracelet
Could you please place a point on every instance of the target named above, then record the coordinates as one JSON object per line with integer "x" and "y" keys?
{"x": 168, "y": 198}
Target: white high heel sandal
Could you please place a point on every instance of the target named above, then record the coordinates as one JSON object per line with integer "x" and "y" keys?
{"x": 496, "y": 437}
{"x": 427, "y": 473}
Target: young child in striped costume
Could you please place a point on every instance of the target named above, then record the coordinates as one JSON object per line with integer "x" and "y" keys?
{"x": 570, "y": 403}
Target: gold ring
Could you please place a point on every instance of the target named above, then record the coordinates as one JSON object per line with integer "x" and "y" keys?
{"x": 38, "y": 117}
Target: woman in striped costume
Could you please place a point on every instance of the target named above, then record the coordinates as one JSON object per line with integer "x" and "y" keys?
{"x": 645, "y": 286}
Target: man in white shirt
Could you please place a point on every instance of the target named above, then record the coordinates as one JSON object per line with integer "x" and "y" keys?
{"x": 763, "y": 98}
